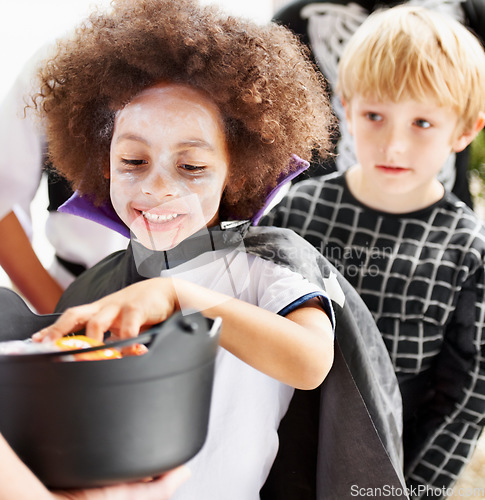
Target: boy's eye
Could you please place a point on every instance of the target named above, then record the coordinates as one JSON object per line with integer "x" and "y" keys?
{"x": 422, "y": 123}
{"x": 375, "y": 117}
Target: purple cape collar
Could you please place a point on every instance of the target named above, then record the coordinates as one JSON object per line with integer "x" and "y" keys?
{"x": 106, "y": 215}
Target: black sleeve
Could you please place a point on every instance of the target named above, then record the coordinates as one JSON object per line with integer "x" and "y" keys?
{"x": 448, "y": 427}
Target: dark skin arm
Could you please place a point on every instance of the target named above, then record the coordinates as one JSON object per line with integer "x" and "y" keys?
{"x": 18, "y": 259}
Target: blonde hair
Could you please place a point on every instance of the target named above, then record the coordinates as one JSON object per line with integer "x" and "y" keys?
{"x": 410, "y": 52}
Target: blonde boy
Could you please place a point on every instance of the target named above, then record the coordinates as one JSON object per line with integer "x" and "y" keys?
{"x": 412, "y": 83}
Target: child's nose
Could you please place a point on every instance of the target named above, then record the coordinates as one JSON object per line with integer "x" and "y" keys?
{"x": 394, "y": 140}
{"x": 158, "y": 185}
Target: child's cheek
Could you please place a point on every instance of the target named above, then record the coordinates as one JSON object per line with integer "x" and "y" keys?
{"x": 121, "y": 193}
{"x": 209, "y": 191}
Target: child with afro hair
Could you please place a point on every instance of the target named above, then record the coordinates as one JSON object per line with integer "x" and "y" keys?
{"x": 176, "y": 123}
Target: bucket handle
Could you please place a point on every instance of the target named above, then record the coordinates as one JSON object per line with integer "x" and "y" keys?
{"x": 151, "y": 337}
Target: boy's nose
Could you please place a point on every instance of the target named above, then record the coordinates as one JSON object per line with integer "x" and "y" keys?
{"x": 394, "y": 140}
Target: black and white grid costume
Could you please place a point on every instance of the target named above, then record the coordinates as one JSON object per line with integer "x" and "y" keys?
{"x": 422, "y": 276}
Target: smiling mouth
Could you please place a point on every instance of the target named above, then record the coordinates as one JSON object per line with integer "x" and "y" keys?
{"x": 159, "y": 218}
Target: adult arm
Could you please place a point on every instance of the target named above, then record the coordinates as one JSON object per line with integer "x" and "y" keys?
{"x": 20, "y": 262}
{"x": 21, "y": 162}
{"x": 296, "y": 349}
{"x": 19, "y": 483}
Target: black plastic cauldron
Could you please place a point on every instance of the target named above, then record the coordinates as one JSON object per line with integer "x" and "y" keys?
{"x": 92, "y": 423}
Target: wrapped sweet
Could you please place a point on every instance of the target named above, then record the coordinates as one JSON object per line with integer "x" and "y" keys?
{"x": 70, "y": 343}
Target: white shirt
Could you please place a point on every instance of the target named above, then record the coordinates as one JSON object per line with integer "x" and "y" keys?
{"x": 23, "y": 146}
{"x": 247, "y": 405}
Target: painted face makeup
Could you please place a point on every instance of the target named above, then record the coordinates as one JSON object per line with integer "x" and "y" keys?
{"x": 168, "y": 164}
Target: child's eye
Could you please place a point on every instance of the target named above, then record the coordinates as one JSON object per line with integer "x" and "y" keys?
{"x": 375, "y": 117}
{"x": 191, "y": 168}
{"x": 133, "y": 163}
{"x": 422, "y": 123}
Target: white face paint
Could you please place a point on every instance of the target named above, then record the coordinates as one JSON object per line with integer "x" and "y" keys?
{"x": 169, "y": 164}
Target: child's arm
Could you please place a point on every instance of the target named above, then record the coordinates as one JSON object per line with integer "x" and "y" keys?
{"x": 454, "y": 419}
{"x": 296, "y": 349}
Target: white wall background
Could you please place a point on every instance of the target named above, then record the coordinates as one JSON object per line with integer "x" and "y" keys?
{"x": 26, "y": 25}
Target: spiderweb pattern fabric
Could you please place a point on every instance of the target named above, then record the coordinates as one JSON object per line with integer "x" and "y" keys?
{"x": 422, "y": 277}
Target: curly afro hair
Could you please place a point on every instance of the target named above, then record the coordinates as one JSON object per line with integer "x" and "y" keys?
{"x": 272, "y": 99}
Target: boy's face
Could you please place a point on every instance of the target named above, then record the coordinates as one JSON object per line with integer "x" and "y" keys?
{"x": 169, "y": 164}
{"x": 401, "y": 147}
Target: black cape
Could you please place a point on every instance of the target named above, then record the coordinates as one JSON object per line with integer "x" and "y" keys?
{"x": 336, "y": 441}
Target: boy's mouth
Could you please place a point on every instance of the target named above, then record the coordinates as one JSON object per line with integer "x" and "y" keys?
{"x": 392, "y": 168}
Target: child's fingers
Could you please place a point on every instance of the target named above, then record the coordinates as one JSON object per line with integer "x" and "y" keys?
{"x": 102, "y": 321}
{"x": 70, "y": 321}
{"x": 131, "y": 321}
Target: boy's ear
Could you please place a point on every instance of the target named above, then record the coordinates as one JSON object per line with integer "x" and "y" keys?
{"x": 467, "y": 137}
{"x": 347, "y": 115}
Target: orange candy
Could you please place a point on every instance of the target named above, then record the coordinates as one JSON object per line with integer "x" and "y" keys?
{"x": 83, "y": 342}
{"x": 134, "y": 350}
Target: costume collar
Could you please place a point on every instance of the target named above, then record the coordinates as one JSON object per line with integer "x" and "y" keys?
{"x": 296, "y": 166}
{"x": 226, "y": 236}
{"x": 105, "y": 214}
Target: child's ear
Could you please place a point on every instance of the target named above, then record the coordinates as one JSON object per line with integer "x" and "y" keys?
{"x": 467, "y": 137}
{"x": 347, "y": 115}
{"x": 106, "y": 172}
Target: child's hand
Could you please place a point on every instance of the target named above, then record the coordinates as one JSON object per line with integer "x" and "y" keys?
{"x": 124, "y": 312}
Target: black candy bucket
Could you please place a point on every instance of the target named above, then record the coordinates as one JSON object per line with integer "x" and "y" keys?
{"x": 92, "y": 423}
